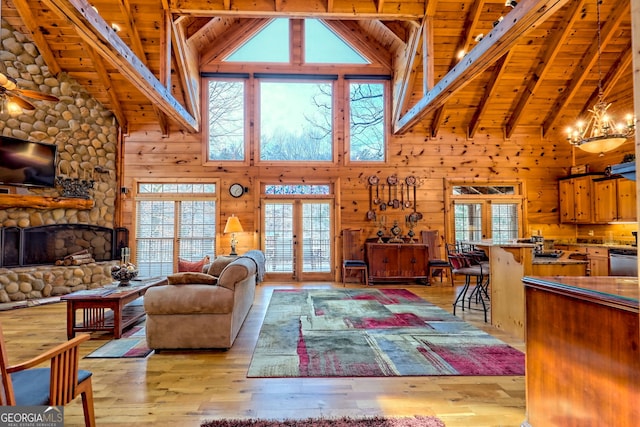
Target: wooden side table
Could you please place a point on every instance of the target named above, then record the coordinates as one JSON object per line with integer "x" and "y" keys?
{"x": 108, "y": 308}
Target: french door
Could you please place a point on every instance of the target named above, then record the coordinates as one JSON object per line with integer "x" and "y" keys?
{"x": 298, "y": 239}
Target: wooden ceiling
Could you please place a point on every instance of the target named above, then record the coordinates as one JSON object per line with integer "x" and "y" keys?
{"x": 536, "y": 70}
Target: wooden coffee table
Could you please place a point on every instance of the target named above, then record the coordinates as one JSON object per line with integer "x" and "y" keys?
{"x": 108, "y": 308}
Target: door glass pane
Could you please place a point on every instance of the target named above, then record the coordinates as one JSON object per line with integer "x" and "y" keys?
{"x": 316, "y": 237}
{"x": 278, "y": 245}
{"x": 154, "y": 238}
{"x": 504, "y": 221}
{"x": 197, "y": 229}
{"x": 468, "y": 221}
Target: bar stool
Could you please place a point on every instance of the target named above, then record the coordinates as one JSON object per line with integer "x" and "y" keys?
{"x": 464, "y": 264}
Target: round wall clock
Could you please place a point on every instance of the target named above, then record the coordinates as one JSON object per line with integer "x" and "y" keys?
{"x": 236, "y": 190}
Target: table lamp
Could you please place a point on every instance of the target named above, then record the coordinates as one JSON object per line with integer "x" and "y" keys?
{"x": 233, "y": 226}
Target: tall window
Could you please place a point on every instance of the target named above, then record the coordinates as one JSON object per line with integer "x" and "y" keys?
{"x": 296, "y": 121}
{"x": 226, "y": 120}
{"x": 295, "y": 114}
{"x": 366, "y": 126}
{"x": 174, "y": 221}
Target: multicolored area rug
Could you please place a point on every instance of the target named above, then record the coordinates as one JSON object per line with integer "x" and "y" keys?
{"x": 132, "y": 344}
{"x": 417, "y": 421}
{"x": 372, "y": 333}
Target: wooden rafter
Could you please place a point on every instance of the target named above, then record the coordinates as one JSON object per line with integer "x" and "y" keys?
{"x": 99, "y": 35}
{"x": 550, "y": 51}
{"x": 505, "y": 35}
{"x": 492, "y": 85}
{"x": 466, "y": 36}
{"x": 24, "y": 10}
{"x": 187, "y": 68}
{"x": 587, "y": 62}
{"x": 105, "y": 79}
{"x": 619, "y": 67}
{"x": 137, "y": 47}
{"x": 333, "y": 9}
{"x": 406, "y": 72}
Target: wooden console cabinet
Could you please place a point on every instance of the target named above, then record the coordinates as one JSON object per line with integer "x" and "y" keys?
{"x": 397, "y": 262}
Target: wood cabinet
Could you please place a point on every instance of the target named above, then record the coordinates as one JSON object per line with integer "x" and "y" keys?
{"x": 576, "y": 199}
{"x": 395, "y": 262}
{"x": 598, "y": 261}
{"x": 598, "y": 258}
{"x": 614, "y": 200}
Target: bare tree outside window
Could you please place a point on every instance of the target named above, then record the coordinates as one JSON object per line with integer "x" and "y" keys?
{"x": 366, "y": 101}
{"x": 226, "y": 120}
{"x": 296, "y": 121}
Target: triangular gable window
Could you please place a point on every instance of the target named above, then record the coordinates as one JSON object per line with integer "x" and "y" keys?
{"x": 322, "y": 46}
{"x": 271, "y": 44}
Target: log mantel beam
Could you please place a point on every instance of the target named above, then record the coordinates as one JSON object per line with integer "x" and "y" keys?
{"x": 43, "y": 202}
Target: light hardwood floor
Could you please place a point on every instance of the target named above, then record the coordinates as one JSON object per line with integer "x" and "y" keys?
{"x": 185, "y": 388}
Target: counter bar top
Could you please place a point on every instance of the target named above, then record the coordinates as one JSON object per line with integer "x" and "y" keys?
{"x": 620, "y": 292}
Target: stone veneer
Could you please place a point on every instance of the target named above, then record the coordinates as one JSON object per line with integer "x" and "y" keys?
{"x": 24, "y": 283}
{"x": 87, "y": 137}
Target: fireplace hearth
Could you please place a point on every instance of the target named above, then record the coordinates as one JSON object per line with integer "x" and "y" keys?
{"x": 44, "y": 245}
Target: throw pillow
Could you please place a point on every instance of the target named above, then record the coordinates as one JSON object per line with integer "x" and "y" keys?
{"x": 190, "y": 278}
{"x": 195, "y": 266}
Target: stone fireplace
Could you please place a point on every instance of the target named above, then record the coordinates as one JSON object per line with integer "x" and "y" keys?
{"x": 34, "y": 236}
{"x": 46, "y": 244}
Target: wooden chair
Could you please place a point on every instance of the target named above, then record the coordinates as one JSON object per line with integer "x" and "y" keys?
{"x": 436, "y": 264}
{"x": 353, "y": 255}
{"x": 25, "y": 385}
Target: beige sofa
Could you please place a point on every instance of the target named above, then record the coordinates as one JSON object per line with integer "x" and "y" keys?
{"x": 201, "y": 310}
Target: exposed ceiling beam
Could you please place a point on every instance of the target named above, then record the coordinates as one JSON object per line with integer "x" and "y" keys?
{"x": 550, "y": 51}
{"x": 132, "y": 29}
{"x": 98, "y": 34}
{"x": 186, "y": 67}
{"x": 404, "y": 74}
{"x": 617, "y": 70}
{"x": 336, "y": 9}
{"x": 466, "y": 36}
{"x": 589, "y": 59}
{"x": 24, "y": 10}
{"x": 492, "y": 85}
{"x": 525, "y": 16}
{"x": 104, "y": 77}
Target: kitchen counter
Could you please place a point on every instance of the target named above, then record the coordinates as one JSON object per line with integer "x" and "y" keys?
{"x": 583, "y": 357}
{"x": 508, "y": 263}
{"x": 557, "y": 261}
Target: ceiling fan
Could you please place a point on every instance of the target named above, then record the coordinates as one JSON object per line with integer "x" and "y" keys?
{"x": 9, "y": 89}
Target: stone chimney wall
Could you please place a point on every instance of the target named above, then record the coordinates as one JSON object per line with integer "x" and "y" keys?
{"x": 86, "y": 135}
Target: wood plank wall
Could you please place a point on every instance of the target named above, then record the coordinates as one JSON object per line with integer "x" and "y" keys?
{"x": 486, "y": 158}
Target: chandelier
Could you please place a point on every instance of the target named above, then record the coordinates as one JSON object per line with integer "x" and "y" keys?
{"x": 600, "y": 133}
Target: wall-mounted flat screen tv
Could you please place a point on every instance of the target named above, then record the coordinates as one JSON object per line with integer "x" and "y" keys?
{"x": 27, "y": 163}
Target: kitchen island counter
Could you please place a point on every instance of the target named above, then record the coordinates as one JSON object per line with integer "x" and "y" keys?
{"x": 583, "y": 352}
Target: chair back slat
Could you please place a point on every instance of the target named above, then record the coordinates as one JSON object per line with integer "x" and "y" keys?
{"x": 64, "y": 377}
{"x": 6, "y": 392}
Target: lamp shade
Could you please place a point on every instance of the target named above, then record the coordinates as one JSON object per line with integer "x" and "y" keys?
{"x": 233, "y": 225}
